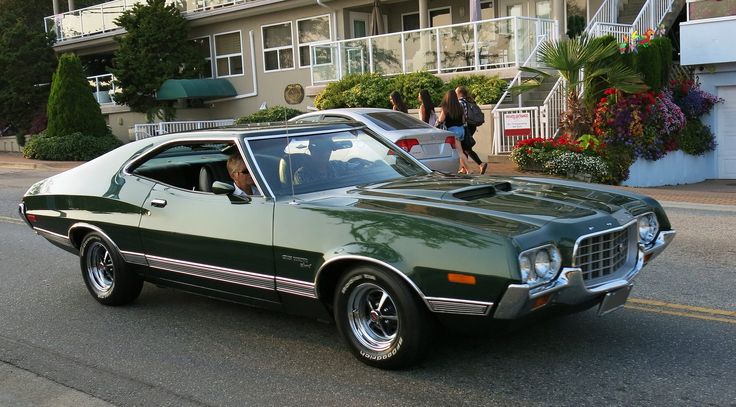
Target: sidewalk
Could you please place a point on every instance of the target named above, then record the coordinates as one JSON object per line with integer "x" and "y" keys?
{"x": 710, "y": 192}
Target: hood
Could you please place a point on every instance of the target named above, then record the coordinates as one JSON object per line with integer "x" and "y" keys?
{"x": 509, "y": 206}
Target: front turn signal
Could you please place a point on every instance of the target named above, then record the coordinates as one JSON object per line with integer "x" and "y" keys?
{"x": 461, "y": 278}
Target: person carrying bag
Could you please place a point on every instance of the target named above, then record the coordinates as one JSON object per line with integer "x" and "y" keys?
{"x": 472, "y": 118}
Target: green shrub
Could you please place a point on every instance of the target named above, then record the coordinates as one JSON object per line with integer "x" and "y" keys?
{"x": 654, "y": 62}
{"x": 696, "y": 138}
{"x": 409, "y": 85}
{"x": 72, "y": 107}
{"x": 72, "y": 147}
{"x": 664, "y": 45}
{"x": 334, "y": 95}
{"x": 485, "y": 90}
{"x": 272, "y": 114}
{"x": 371, "y": 91}
{"x": 20, "y": 138}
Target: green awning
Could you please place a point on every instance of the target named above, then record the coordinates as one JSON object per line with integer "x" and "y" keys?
{"x": 174, "y": 89}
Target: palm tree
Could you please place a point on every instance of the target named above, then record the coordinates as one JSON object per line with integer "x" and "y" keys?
{"x": 586, "y": 64}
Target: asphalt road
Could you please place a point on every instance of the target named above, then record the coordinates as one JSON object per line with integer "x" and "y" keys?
{"x": 673, "y": 345}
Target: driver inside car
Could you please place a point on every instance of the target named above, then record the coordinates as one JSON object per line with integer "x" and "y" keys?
{"x": 318, "y": 168}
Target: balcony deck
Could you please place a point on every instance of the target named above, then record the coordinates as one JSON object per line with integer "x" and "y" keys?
{"x": 101, "y": 18}
{"x": 481, "y": 45}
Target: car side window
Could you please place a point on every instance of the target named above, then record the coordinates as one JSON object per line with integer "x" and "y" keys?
{"x": 181, "y": 165}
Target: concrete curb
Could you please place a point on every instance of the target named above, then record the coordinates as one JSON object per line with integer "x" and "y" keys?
{"x": 698, "y": 206}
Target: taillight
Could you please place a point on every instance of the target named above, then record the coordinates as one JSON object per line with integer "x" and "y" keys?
{"x": 407, "y": 143}
{"x": 31, "y": 218}
{"x": 451, "y": 141}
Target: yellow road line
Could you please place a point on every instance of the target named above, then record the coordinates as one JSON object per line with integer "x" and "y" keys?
{"x": 681, "y": 314}
{"x": 655, "y": 303}
{"x": 11, "y": 220}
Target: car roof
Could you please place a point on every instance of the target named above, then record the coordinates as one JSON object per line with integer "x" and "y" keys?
{"x": 347, "y": 110}
{"x": 258, "y": 130}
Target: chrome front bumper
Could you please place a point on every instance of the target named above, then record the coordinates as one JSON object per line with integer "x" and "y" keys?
{"x": 569, "y": 287}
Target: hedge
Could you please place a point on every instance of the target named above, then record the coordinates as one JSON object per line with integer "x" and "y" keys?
{"x": 71, "y": 147}
{"x": 272, "y": 114}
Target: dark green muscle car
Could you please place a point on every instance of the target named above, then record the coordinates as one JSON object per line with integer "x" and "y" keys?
{"x": 342, "y": 224}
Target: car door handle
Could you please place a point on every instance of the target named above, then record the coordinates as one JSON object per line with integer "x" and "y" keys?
{"x": 159, "y": 203}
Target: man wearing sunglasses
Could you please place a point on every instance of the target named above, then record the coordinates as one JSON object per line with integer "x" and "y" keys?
{"x": 242, "y": 180}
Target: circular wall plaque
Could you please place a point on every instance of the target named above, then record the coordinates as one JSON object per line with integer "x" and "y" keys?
{"x": 294, "y": 94}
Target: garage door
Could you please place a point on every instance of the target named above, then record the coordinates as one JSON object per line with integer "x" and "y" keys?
{"x": 726, "y": 132}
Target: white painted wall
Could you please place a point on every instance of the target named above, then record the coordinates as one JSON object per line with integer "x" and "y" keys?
{"x": 707, "y": 41}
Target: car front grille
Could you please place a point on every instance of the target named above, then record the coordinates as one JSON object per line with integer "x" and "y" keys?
{"x": 602, "y": 255}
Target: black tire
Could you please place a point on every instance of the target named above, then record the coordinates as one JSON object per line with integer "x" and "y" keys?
{"x": 105, "y": 274}
{"x": 392, "y": 336}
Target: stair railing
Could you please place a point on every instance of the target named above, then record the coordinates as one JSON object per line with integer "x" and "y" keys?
{"x": 604, "y": 22}
{"x": 504, "y": 145}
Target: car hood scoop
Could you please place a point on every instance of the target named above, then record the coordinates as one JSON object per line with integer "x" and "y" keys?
{"x": 475, "y": 192}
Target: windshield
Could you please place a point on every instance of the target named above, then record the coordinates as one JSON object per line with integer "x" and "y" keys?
{"x": 327, "y": 161}
{"x": 391, "y": 120}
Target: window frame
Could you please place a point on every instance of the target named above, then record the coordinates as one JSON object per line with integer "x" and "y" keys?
{"x": 215, "y": 72}
{"x": 209, "y": 59}
{"x": 299, "y": 45}
{"x": 278, "y": 49}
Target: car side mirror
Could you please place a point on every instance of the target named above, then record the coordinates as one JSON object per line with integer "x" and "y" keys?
{"x": 222, "y": 188}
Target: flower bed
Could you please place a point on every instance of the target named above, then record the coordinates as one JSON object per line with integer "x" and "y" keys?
{"x": 578, "y": 159}
{"x": 677, "y": 167}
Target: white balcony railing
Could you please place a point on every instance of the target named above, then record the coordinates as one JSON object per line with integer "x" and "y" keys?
{"x": 101, "y": 18}
{"x": 104, "y": 88}
{"x": 494, "y": 43}
{"x": 146, "y": 130}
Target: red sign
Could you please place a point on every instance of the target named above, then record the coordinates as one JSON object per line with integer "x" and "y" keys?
{"x": 517, "y": 124}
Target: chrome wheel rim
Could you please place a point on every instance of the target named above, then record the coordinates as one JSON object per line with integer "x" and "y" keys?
{"x": 100, "y": 269}
{"x": 373, "y": 317}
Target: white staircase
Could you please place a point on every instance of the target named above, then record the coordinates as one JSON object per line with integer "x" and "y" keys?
{"x": 614, "y": 17}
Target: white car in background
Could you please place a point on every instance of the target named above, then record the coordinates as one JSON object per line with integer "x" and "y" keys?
{"x": 435, "y": 148}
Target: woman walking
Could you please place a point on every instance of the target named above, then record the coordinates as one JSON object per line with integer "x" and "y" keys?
{"x": 426, "y": 108}
{"x": 397, "y": 102}
{"x": 452, "y": 117}
{"x": 464, "y": 98}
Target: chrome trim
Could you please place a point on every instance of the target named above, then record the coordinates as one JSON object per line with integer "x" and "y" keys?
{"x": 257, "y": 167}
{"x": 296, "y": 287}
{"x": 235, "y": 138}
{"x": 22, "y": 211}
{"x": 630, "y": 261}
{"x": 213, "y": 272}
{"x": 434, "y": 304}
{"x": 134, "y": 258}
{"x": 96, "y": 229}
{"x": 660, "y": 243}
{"x": 569, "y": 288}
{"x": 374, "y": 261}
{"x": 455, "y": 306}
{"x": 55, "y": 237}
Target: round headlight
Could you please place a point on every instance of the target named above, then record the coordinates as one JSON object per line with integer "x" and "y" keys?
{"x": 542, "y": 264}
{"x": 648, "y": 228}
{"x": 525, "y": 265}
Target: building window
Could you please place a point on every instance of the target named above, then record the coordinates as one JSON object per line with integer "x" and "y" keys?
{"x": 228, "y": 54}
{"x": 543, "y": 9}
{"x": 310, "y": 31}
{"x": 203, "y": 47}
{"x": 410, "y": 21}
{"x": 278, "y": 47}
{"x": 439, "y": 17}
{"x": 486, "y": 10}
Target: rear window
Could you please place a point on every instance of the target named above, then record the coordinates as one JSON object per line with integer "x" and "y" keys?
{"x": 397, "y": 121}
